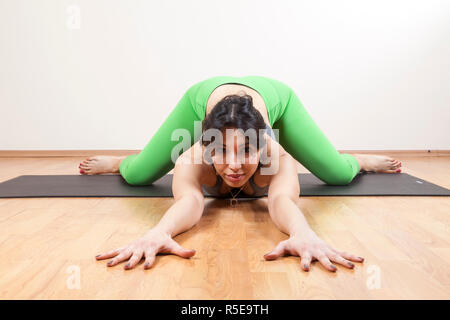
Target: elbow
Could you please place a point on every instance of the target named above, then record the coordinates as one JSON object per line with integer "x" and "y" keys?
{"x": 198, "y": 201}
{"x": 271, "y": 199}
{"x": 280, "y": 197}
{"x": 275, "y": 199}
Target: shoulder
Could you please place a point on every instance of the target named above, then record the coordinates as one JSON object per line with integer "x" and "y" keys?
{"x": 272, "y": 151}
{"x": 273, "y": 156}
{"x": 285, "y": 178}
{"x": 191, "y": 162}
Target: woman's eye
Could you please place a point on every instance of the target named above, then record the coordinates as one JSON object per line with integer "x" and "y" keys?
{"x": 246, "y": 150}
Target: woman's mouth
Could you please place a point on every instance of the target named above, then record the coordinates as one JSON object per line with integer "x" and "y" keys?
{"x": 235, "y": 177}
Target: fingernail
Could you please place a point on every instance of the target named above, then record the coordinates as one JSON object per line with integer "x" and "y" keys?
{"x": 360, "y": 258}
{"x": 98, "y": 255}
{"x": 399, "y": 170}
{"x": 146, "y": 265}
{"x": 110, "y": 262}
{"x": 127, "y": 265}
{"x": 351, "y": 265}
{"x": 81, "y": 171}
{"x": 306, "y": 267}
{"x": 334, "y": 268}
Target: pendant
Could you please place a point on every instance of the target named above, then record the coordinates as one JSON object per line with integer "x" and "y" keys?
{"x": 233, "y": 203}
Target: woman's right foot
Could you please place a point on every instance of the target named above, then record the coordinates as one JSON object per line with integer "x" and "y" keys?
{"x": 100, "y": 164}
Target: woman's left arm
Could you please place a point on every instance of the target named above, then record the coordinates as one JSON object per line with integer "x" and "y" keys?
{"x": 283, "y": 193}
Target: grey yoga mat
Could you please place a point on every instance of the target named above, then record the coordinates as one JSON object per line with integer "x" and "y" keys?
{"x": 364, "y": 184}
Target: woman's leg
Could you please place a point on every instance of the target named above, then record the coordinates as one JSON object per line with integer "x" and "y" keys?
{"x": 155, "y": 160}
{"x": 302, "y": 138}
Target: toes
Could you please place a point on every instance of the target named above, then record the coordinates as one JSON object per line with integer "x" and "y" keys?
{"x": 397, "y": 165}
{"x": 395, "y": 162}
{"x": 85, "y": 171}
{"x": 393, "y": 165}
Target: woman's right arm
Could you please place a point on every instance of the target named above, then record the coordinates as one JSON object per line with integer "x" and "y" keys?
{"x": 181, "y": 216}
{"x": 189, "y": 200}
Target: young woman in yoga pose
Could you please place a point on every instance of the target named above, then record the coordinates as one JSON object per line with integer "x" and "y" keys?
{"x": 236, "y": 165}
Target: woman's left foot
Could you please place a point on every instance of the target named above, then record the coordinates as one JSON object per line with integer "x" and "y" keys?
{"x": 100, "y": 164}
{"x": 376, "y": 163}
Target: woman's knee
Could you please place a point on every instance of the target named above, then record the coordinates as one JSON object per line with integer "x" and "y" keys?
{"x": 136, "y": 180}
{"x": 338, "y": 180}
{"x": 132, "y": 173}
{"x": 339, "y": 176}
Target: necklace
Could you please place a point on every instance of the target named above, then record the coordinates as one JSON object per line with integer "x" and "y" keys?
{"x": 233, "y": 201}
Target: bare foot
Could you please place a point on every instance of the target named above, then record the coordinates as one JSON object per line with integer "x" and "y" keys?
{"x": 100, "y": 164}
{"x": 378, "y": 163}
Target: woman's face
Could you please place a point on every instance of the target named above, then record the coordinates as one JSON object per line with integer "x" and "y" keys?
{"x": 236, "y": 160}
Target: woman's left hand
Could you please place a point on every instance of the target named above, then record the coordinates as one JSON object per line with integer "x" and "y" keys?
{"x": 310, "y": 247}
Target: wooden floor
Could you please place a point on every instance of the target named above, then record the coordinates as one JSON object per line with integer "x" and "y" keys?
{"x": 47, "y": 245}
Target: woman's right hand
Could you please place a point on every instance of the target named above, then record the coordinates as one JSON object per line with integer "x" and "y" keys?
{"x": 153, "y": 242}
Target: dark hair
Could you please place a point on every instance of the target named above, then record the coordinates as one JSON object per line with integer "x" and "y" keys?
{"x": 235, "y": 111}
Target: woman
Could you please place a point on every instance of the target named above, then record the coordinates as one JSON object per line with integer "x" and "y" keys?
{"x": 277, "y": 106}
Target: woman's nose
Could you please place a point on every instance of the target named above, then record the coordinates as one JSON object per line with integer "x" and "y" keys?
{"x": 234, "y": 161}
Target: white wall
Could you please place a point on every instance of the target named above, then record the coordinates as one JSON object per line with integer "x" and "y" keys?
{"x": 375, "y": 75}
